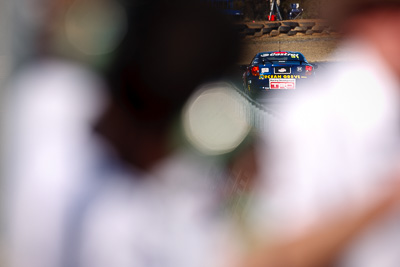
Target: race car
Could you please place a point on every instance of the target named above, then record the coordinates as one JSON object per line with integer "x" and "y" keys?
{"x": 276, "y": 70}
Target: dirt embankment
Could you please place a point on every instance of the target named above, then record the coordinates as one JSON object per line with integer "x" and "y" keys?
{"x": 314, "y": 48}
{"x": 316, "y": 39}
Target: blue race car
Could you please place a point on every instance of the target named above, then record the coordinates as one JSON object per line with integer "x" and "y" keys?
{"x": 276, "y": 70}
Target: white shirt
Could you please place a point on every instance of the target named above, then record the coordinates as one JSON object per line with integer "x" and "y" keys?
{"x": 72, "y": 202}
{"x": 333, "y": 151}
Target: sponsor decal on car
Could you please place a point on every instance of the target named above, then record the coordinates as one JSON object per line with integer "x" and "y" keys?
{"x": 264, "y": 70}
{"x": 282, "y": 84}
{"x": 299, "y": 69}
{"x": 263, "y": 77}
{"x": 282, "y": 70}
{"x": 274, "y": 54}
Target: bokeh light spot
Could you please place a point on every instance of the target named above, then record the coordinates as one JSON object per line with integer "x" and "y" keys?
{"x": 212, "y": 121}
{"x": 95, "y": 27}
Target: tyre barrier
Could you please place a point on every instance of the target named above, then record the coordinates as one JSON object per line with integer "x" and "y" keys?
{"x": 258, "y": 34}
{"x": 284, "y": 29}
{"x": 266, "y": 30}
{"x": 307, "y": 24}
{"x": 289, "y": 28}
{"x": 255, "y": 26}
{"x": 250, "y": 31}
{"x": 300, "y": 29}
{"x": 291, "y": 24}
{"x": 309, "y": 32}
{"x": 273, "y": 25}
{"x": 274, "y": 33}
{"x": 318, "y": 28}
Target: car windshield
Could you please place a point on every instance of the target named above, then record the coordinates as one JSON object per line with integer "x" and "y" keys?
{"x": 280, "y": 58}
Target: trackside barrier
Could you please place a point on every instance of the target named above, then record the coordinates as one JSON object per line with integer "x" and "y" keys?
{"x": 287, "y": 28}
{"x": 256, "y": 115}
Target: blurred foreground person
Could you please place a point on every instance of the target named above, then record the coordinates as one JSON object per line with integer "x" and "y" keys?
{"x": 334, "y": 185}
{"x": 101, "y": 179}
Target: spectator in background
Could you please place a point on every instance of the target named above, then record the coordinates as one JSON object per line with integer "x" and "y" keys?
{"x": 98, "y": 178}
{"x": 333, "y": 182}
